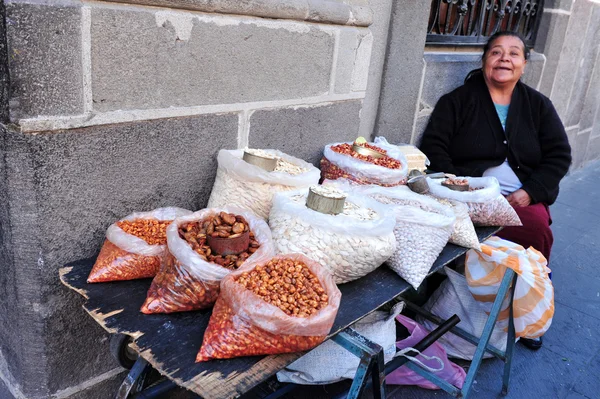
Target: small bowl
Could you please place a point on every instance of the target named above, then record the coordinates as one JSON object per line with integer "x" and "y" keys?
{"x": 366, "y": 151}
{"x": 268, "y": 164}
{"x": 418, "y": 184}
{"x": 415, "y": 173}
{"x": 229, "y": 246}
{"x": 323, "y": 204}
{"x": 456, "y": 187}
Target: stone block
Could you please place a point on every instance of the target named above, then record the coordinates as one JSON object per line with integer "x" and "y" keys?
{"x": 106, "y": 389}
{"x": 591, "y": 107}
{"x": 550, "y": 40}
{"x": 4, "y": 75}
{"x": 445, "y": 72}
{"x": 580, "y": 149}
{"x": 533, "y": 70}
{"x": 593, "y": 151}
{"x": 348, "y": 44}
{"x": 360, "y": 73}
{"x": 81, "y": 181}
{"x": 588, "y": 59}
{"x": 382, "y": 10}
{"x": 420, "y": 126}
{"x": 403, "y": 70}
{"x": 558, "y": 4}
{"x": 44, "y": 47}
{"x": 155, "y": 58}
{"x": 328, "y": 11}
{"x": 570, "y": 56}
{"x": 304, "y": 131}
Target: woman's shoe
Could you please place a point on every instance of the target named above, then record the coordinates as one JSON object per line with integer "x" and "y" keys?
{"x": 533, "y": 344}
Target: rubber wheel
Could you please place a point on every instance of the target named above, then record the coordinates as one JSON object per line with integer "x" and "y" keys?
{"x": 123, "y": 354}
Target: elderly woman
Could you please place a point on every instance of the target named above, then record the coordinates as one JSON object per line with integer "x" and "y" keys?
{"x": 495, "y": 125}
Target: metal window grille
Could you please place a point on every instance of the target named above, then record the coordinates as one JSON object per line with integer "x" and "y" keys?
{"x": 472, "y": 22}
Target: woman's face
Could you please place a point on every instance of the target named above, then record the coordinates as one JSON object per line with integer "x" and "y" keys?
{"x": 504, "y": 62}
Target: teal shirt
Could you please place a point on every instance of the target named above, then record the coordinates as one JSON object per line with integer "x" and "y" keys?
{"x": 502, "y": 111}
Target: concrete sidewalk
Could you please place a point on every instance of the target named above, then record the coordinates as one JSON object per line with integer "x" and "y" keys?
{"x": 568, "y": 365}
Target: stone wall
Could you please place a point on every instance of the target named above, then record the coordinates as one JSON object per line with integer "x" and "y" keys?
{"x": 564, "y": 65}
{"x": 113, "y": 108}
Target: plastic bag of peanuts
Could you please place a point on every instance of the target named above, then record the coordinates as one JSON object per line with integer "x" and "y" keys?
{"x": 191, "y": 274}
{"x": 350, "y": 244}
{"x": 463, "y": 233}
{"x": 250, "y": 187}
{"x": 135, "y": 246}
{"x": 287, "y": 304}
{"x": 487, "y": 206}
{"x": 341, "y": 161}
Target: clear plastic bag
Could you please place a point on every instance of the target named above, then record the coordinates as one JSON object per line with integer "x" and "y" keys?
{"x": 243, "y": 324}
{"x": 247, "y": 186}
{"x": 335, "y": 165}
{"x": 187, "y": 281}
{"x": 125, "y": 256}
{"x": 346, "y": 245}
{"x": 487, "y": 206}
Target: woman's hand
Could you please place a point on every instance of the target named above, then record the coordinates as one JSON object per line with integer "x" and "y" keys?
{"x": 519, "y": 198}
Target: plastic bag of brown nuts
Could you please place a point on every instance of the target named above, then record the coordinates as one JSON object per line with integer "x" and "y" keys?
{"x": 191, "y": 274}
{"x": 341, "y": 161}
{"x": 135, "y": 246}
{"x": 284, "y": 305}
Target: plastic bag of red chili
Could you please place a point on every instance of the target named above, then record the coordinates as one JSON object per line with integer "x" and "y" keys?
{"x": 287, "y": 304}
{"x": 203, "y": 248}
{"x": 365, "y": 163}
{"x": 134, "y": 246}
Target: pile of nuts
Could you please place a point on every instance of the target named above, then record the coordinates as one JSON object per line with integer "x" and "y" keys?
{"x": 153, "y": 231}
{"x": 116, "y": 264}
{"x": 330, "y": 171}
{"x": 457, "y": 181}
{"x": 290, "y": 285}
{"x": 385, "y": 161}
{"x": 497, "y": 212}
{"x": 255, "y": 196}
{"x": 464, "y": 232}
{"x": 223, "y": 225}
{"x": 175, "y": 290}
{"x": 228, "y": 336}
{"x": 346, "y": 256}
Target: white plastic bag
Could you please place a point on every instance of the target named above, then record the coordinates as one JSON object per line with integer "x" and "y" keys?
{"x": 453, "y": 297}
{"x": 487, "y": 206}
{"x": 329, "y": 362}
{"x": 362, "y": 171}
{"x": 345, "y": 245}
{"x": 241, "y": 184}
{"x": 188, "y": 282}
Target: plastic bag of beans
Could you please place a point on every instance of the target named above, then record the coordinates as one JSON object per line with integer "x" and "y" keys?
{"x": 190, "y": 277}
{"x": 250, "y": 187}
{"x": 487, "y": 206}
{"x": 340, "y": 161}
{"x": 350, "y": 244}
{"x": 285, "y": 305}
{"x": 135, "y": 246}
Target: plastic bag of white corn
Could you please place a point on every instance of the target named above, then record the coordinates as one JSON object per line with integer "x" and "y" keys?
{"x": 463, "y": 233}
{"x": 487, "y": 206}
{"x": 250, "y": 187}
{"x": 350, "y": 244}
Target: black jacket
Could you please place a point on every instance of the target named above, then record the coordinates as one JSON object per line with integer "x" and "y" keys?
{"x": 465, "y": 137}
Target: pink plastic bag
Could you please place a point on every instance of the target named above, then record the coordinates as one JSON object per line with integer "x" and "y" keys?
{"x": 451, "y": 372}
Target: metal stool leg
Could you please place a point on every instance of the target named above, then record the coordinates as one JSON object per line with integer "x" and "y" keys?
{"x": 487, "y": 331}
{"x": 371, "y": 360}
{"x": 510, "y": 341}
{"x": 134, "y": 382}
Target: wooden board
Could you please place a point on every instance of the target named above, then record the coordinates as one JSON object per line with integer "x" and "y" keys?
{"x": 170, "y": 342}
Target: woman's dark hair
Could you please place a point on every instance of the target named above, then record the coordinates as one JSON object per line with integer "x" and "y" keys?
{"x": 488, "y": 44}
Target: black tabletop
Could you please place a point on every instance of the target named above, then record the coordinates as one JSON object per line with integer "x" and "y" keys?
{"x": 170, "y": 342}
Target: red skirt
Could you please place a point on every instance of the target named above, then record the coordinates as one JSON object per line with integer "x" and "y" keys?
{"x": 535, "y": 231}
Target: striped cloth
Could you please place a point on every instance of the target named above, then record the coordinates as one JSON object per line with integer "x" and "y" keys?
{"x": 533, "y": 306}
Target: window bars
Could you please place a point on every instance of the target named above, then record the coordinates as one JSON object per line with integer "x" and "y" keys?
{"x": 472, "y": 22}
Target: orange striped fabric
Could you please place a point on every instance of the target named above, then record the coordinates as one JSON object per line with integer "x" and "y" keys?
{"x": 533, "y": 301}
